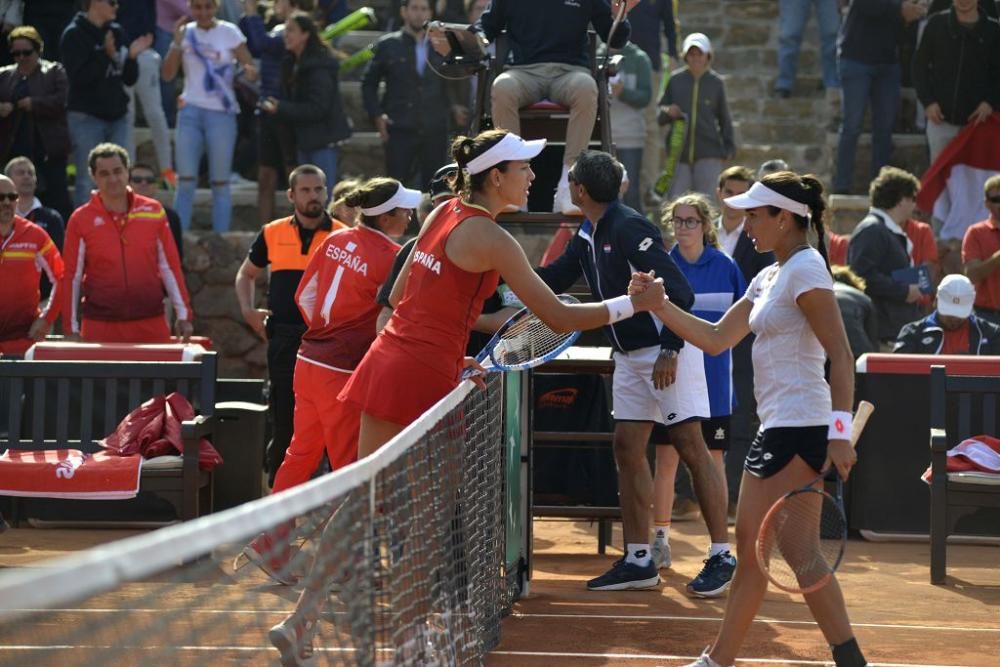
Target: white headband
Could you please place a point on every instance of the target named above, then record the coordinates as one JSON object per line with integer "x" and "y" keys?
{"x": 761, "y": 195}
{"x": 403, "y": 198}
{"x": 511, "y": 147}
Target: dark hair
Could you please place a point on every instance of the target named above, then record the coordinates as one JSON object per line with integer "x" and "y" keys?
{"x": 107, "y": 149}
{"x": 314, "y": 45}
{"x": 141, "y": 165}
{"x": 600, "y": 174}
{"x": 772, "y": 167}
{"x": 890, "y": 186}
{"x": 371, "y": 193}
{"x": 736, "y": 173}
{"x": 304, "y": 170}
{"x": 805, "y": 190}
{"x": 29, "y": 33}
{"x": 466, "y": 149}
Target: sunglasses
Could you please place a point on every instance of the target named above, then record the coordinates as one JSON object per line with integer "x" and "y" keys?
{"x": 22, "y": 53}
{"x": 689, "y": 223}
{"x": 9, "y": 196}
{"x": 143, "y": 179}
{"x": 994, "y": 200}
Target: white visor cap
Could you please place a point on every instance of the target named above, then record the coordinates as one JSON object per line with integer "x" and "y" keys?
{"x": 511, "y": 147}
{"x": 760, "y": 195}
{"x": 403, "y": 198}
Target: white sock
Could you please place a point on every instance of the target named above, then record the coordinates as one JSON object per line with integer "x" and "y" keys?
{"x": 662, "y": 532}
{"x": 638, "y": 554}
{"x": 718, "y": 548}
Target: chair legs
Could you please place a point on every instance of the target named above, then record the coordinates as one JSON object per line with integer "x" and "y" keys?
{"x": 939, "y": 530}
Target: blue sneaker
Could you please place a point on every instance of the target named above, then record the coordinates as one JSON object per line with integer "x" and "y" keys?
{"x": 714, "y": 578}
{"x": 625, "y": 577}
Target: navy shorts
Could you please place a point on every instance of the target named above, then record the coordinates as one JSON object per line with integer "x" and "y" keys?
{"x": 773, "y": 448}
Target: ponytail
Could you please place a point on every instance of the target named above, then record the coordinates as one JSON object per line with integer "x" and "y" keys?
{"x": 809, "y": 191}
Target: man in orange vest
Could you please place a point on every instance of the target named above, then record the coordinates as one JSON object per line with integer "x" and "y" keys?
{"x": 285, "y": 245}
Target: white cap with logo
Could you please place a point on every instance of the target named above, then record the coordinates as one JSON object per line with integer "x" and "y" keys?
{"x": 955, "y": 296}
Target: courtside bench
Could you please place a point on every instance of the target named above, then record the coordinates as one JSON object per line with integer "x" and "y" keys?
{"x": 73, "y": 404}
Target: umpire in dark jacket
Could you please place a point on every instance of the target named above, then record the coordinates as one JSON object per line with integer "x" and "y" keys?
{"x": 952, "y": 328}
{"x": 879, "y": 246}
{"x": 412, "y": 116}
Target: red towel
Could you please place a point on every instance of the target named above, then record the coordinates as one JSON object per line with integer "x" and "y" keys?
{"x": 154, "y": 429}
{"x": 978, "y": 454}
{"x": 69, "y": 473}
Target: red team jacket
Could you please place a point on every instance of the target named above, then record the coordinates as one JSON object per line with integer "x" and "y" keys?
{"x": 119, "y": 266}
{"x": 24, "y": 254}
{"x": 337, "y": 296}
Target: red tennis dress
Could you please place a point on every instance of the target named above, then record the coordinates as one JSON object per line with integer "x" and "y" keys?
{"x": 417, "y": 358}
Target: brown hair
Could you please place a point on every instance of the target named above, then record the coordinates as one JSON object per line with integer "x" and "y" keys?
{"x": 466, "y": 149}
{"x": 371, "y": 193}
{"x": 806, "y": 190}
{"x": 107, "y": 149}
{"x": 890, "y": 186}
{"x": 736, "y": 173}
{"x": 706, "y": 212}
{"x": 305, "y": 170}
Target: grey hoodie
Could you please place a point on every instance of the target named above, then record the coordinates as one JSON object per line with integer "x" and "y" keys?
{"x": 704, "y": 102}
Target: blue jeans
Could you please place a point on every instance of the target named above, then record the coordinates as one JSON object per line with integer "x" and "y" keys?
{"x": 792, "y": 18}
{"x": 326, "y": 159}
{"x": 86, "y": 132}
{"x": 631, "y": 159}
{"x": 200, "y": 130}
{"x": 880, "y": 85}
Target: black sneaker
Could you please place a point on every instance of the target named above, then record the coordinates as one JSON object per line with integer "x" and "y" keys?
{"x": 626, "y": 577}
{"x": 714, "y": 578}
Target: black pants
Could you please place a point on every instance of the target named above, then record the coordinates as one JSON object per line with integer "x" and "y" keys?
{"x": 282, "y": 345}
{"x": 744, "y": 424}
{"x": 412, "y": 155}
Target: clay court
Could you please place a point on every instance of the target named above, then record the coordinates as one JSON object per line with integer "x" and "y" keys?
{"x": 899, "y": 617}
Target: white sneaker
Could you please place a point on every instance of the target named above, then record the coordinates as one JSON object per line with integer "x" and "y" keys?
{"x": 563, "y": 203}
{"x": 704, "y": 661}
{"x": 661, "y": 555}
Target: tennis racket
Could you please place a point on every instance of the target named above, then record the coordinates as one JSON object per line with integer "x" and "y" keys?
{"x": 803, "y": 536}
{"x": 523, "y": 342}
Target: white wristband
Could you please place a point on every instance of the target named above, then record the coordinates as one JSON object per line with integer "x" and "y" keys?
{"x": 840, "y": 426}
{"x": 619, "y": 308}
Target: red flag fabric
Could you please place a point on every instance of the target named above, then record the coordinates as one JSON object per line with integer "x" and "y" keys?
{"x": 952, "y": 188}
{"x": 154, "y": 429}
{"x": 69, "y": 473}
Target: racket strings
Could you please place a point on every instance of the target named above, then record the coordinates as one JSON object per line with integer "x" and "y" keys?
{"x": 802, "y": 541}
{"x": 530, "y": 339}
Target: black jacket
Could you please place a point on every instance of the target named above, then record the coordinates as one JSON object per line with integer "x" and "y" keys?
{"x": 49, "y": 220}
{"x": 926, "y": 337}
{"x": 623, "y": 241}
{"x": 96, "y": 82}
{"x": 551, "y": 31}
{"x": 47, "y": 88}
{"x": 311, "y": 102}
{"x": 410, "y": 101}
{"x": 860, "y": 320}
{"x": 874, "y": 253}
{"x": 870, "y": 32}
{"x": 958, "y": 68}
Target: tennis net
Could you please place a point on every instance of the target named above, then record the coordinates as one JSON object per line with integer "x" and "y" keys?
{"x": 397, "y": 559}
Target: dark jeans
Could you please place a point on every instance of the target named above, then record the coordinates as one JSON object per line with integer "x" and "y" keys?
{"x": 412, "y": 155}
{"x": 282, "y": 346}
{"x": 862, "y": 84}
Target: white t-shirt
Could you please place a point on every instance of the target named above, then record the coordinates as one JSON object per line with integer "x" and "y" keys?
{"x": 216, "y": 46}
{"x": 787, "y": 357}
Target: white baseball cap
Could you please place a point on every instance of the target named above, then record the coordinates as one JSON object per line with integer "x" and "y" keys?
{"x": 698, "y": 39}
{"x": 955, "y": 296}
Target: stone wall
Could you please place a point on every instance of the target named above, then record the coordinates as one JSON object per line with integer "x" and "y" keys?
{"x": 210, "y": 265}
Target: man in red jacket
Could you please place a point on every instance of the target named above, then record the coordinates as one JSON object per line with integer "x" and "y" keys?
{"x": 120, "y": 261}
{"x": 25, "y": 252}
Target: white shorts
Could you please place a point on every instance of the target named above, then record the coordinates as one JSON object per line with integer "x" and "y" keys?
{"x": 635, "y": 398}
